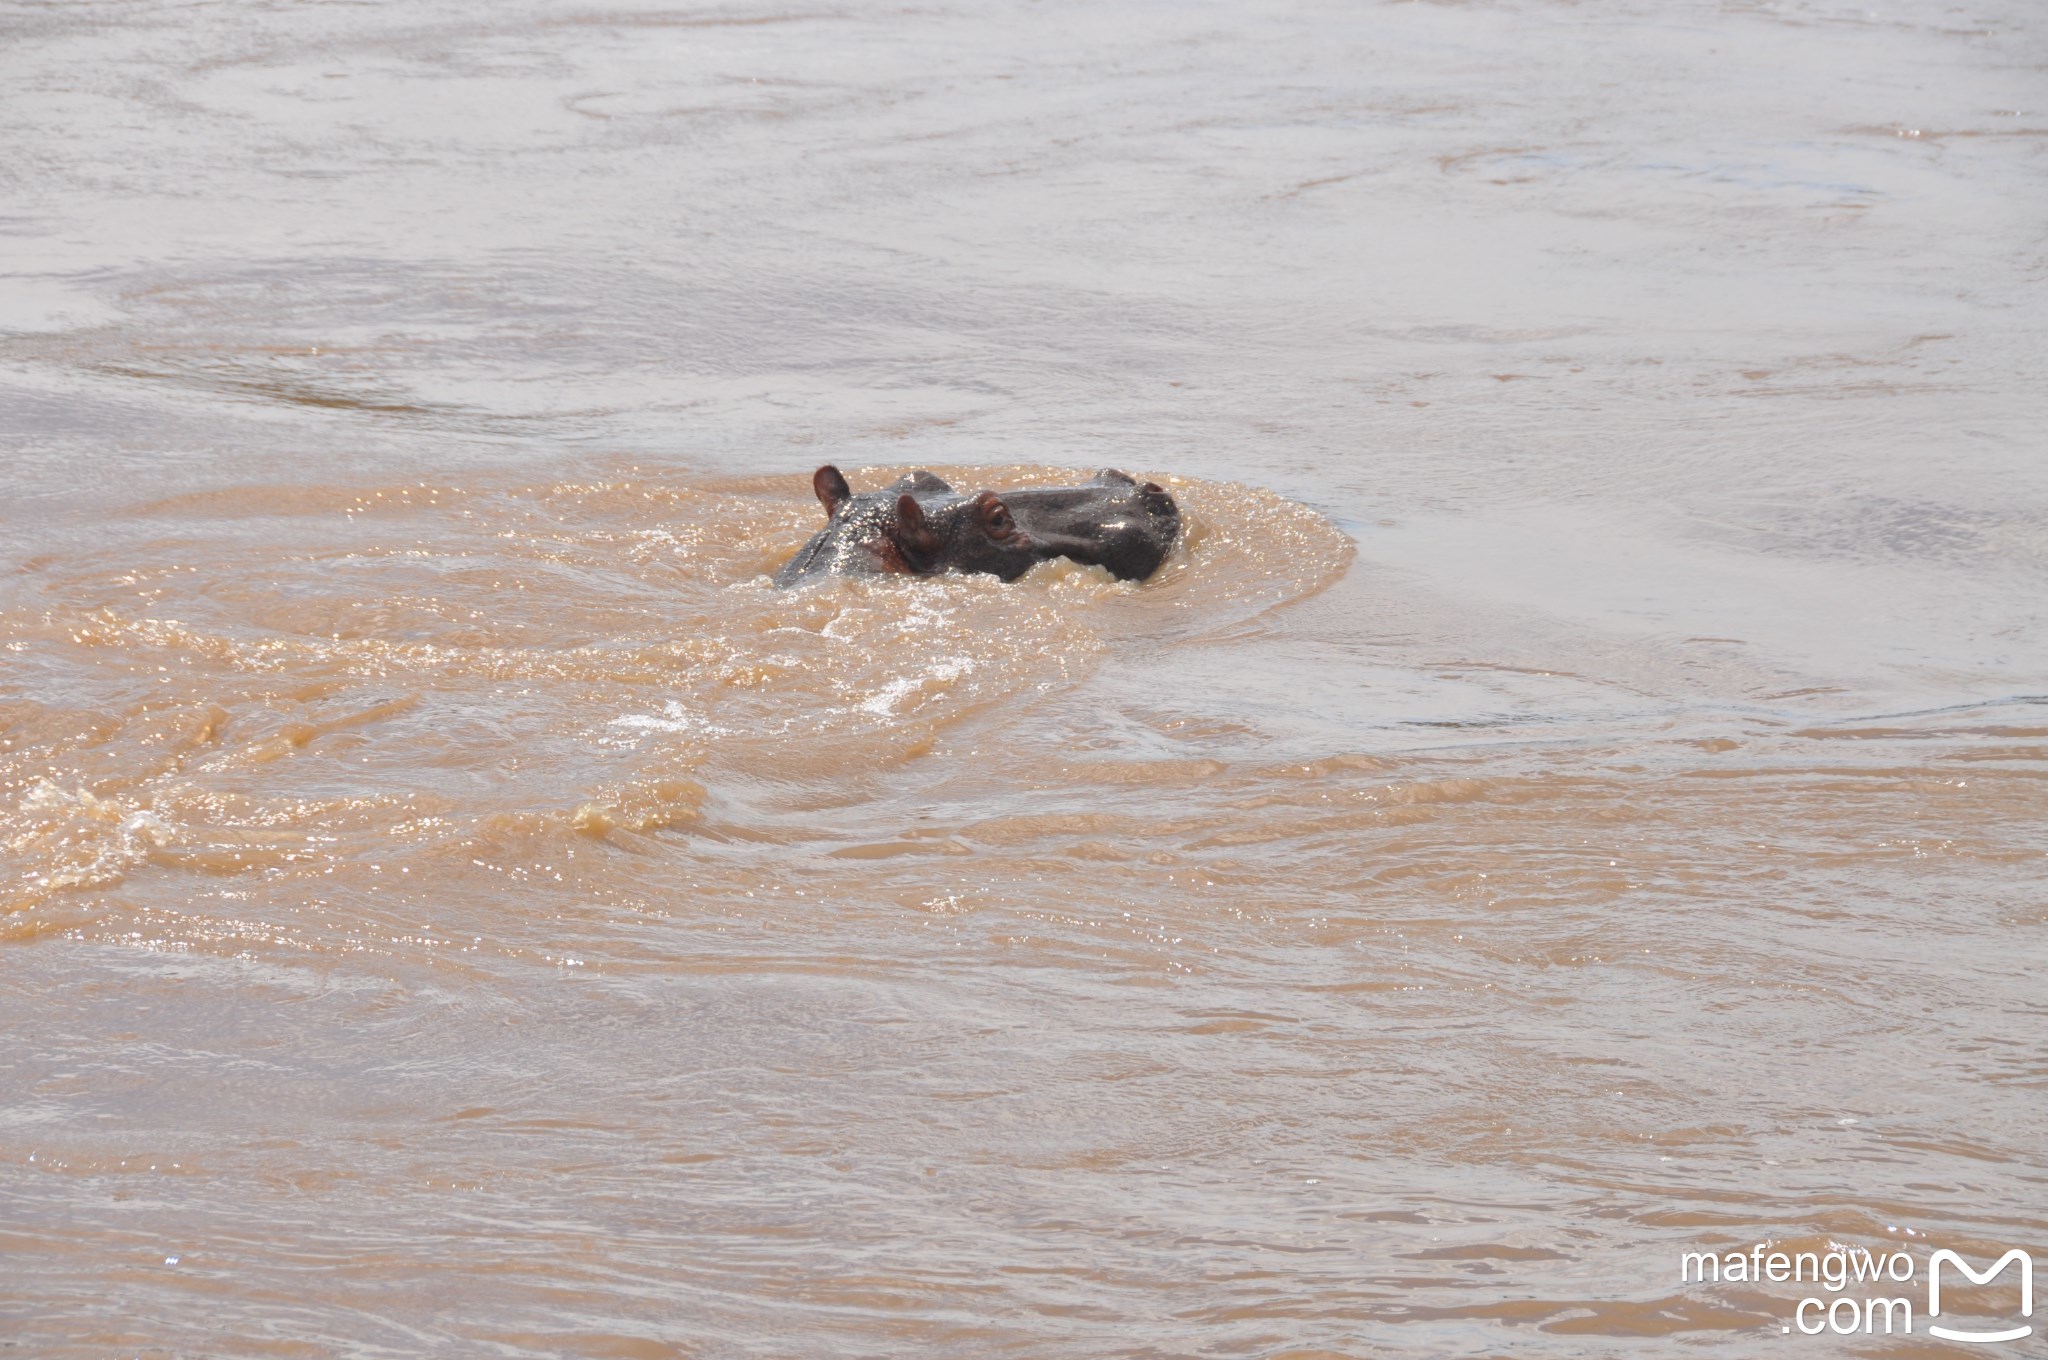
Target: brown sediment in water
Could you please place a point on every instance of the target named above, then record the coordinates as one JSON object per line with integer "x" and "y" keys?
{"x": 1574, "y": 797}
{"x": 256, "y": 691}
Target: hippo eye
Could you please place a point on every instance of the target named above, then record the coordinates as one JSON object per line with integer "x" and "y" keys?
{"x": 1000, "y": 524}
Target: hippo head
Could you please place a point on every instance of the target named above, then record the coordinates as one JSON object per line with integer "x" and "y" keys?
{"x": 920, "y": 526}
{"x": 972, "y": 535}
{"x": 917, "y": 527}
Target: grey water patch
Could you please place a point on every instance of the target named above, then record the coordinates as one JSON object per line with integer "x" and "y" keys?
{"x": 1868, "y": 527}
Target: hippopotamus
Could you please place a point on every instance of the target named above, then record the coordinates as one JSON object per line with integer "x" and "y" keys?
{"x": 920, "y": 526}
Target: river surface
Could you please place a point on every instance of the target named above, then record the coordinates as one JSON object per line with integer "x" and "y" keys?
{"x": 1578, "y": 795}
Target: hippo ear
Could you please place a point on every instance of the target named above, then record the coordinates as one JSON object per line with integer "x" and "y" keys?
{"x": 924, "y": 480}
{"x": 910, "y": 533}
{"x": 994, "y": 517}
{"x": 832, "y": 489}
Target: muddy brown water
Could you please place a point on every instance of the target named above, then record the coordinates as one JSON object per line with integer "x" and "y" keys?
{"x": 1578, "y": 796}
